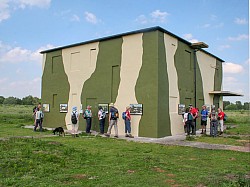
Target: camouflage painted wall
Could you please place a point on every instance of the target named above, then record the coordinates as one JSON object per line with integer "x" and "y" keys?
{"x": 151, "y": 68}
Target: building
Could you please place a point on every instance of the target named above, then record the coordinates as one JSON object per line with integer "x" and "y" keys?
{"x": 149, "y": 68}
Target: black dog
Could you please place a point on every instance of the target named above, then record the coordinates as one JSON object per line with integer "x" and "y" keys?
{"x": 59, "y": 130}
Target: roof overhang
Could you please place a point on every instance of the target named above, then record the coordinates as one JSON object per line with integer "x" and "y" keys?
{"x": 225, "y": 93}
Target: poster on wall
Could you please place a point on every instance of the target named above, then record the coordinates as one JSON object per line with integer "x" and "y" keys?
{"x": 136, "y": 109}
{"x": 105, "y": 107}
{"x": 181, "y": 109}
{"x": 63, "y": 107}
{"x": 45, "y": 107}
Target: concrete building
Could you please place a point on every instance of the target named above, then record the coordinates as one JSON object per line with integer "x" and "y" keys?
{"x": 152, "y": 67}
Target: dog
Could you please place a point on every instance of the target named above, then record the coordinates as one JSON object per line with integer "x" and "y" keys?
{"x": 59, "y": 131}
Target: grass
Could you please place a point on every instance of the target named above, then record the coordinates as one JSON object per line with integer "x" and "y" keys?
{"x": 92, "y": 161}
{"x": 97, "y": 161}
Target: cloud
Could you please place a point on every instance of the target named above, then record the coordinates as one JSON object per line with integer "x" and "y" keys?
{"x": 75, "y": 18}
{"x": 157, "y": 15}
{"x": 232, "y": 68}
{"x": 230, "y": 79}
{"x": 9, "y": 6}
{"x": 33, "y": 3}
{"x": 153, "y": 17}
{"x": 239, "y": 37}
{"x": 189, "y": 37}
{"x": 22, "y": 88}
{"x": 240, "y": 21}
{"x": 91, "y": 18}
{"x": 18, "y": 55}
{"x": 222, "y": 47}
{"x": 4, "y": 10}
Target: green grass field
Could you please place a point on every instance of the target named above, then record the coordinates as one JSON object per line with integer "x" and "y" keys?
{"x": 97, "y": 161}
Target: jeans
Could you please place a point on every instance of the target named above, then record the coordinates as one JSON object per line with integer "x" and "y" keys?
{"x": 221, "y": 125}
{"x": 111, "y": 124}
{"x": 38, "y": 122}
{"x": 189, "y": 125}
{"x": 213, "y": 128}
{"x": 88, "y": 126}
{"x": 127, "y": 126}
{"x": 102, "y": 122}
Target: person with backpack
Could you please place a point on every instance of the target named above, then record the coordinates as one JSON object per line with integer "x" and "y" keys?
{"x": 213, "y": 122}
{"x": 127, "y": 119}
{"x": 221, "y": 116}
{"x": 101, "y": 117}
{"x": 74, "y": 119}
{"x": 204, "y": 115}
{"x": 88, "y": 116}
{"x": 194, "y": 112}
{"x": 113, "y": 116}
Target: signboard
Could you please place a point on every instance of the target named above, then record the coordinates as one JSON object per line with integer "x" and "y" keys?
{"x": 63, "y": 107}
{"x": 105, "y": 107}
{"x": 181, "y": 109}
{"x": 136, "y": 109}
{"x": 45, "y": 107}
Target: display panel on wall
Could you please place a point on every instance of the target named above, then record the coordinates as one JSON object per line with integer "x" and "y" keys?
{"x": 105, "y": 107}
{"x": 63, "y": 107}
{"x": 45, "y": 107}
{"x": 136, "y": 109}
{"x": 181, "y": 109}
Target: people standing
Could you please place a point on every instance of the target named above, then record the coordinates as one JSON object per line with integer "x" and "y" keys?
{"x": 187, "y": 120}
{"x": 194, "y": 113}
{"x": 74, "y": 119}
{"x": 101, "y": 117}
{"x": 88, "y": 116}
{"x": 128, "y": 123}
{"x": 38, "y": 120}
{"x": 113, "y": 116}
{"x": 204, "y": 115}
{"x": 213, "y": 122}
{"x": 221, "y": 116}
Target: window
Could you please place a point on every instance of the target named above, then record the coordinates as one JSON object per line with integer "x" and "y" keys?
{"x": 54, "y": 100}
{"x": 92, "y": 57}
{"x": 75, "y": 61}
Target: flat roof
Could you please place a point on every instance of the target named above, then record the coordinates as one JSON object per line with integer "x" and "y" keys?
{"x": 125, "y": 34}
{"x": 225, "y": 93}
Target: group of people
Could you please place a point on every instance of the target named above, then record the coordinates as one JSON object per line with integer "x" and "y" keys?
{"x": 113, "y": 117}
{"x": 216, "y": 120}
{"x": 38, "y": 117}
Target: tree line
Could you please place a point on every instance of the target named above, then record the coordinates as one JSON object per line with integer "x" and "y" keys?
{"x": 227, "y": 105}
{"x": 28, "y": 100}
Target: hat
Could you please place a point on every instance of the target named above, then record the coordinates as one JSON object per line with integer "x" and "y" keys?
{"x": 111, "y": 104}
{"x": 74, "y": 108}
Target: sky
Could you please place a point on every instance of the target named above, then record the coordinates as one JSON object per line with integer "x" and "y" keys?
{"x": 30, "y": 26}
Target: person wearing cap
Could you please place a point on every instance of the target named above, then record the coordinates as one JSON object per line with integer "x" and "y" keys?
{"x": 113, "y": 116}
{"x": 204, "y": 115}
{"x": 101, "y": 117}
{"x": 88, "y": 116}
{"x": 128, "y": 123}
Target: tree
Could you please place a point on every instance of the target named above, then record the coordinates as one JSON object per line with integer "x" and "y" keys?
{"x": 231, "y": 107}
{"x": 2, "y": 99}
{"x": 225, "y": 104}
{"x": 246, "y": 106}
{"x": 10, "y": 101}
{"x": 238, "y": 105}
{"x": 27, "y": 100}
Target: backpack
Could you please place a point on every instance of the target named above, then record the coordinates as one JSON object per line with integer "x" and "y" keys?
{"x": 103, "y": 115}
{"x": 124, "y": 115}
{"x": 225, "y": 117}
{"x": 114, "y": 115}
{"x": 73, "y": 118}
{"x": 190, "y": 117}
